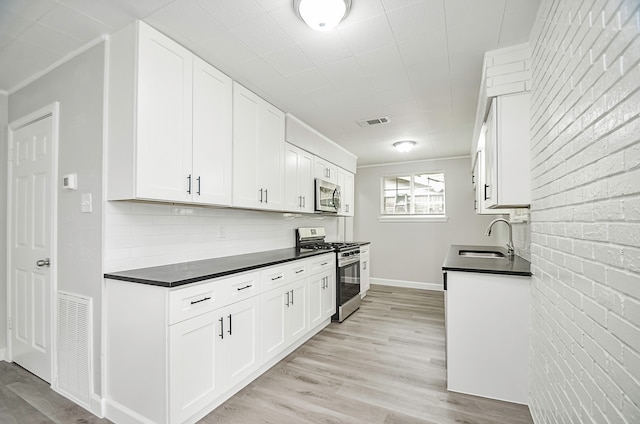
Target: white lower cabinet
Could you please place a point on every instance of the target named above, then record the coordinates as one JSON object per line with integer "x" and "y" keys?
{"x": 487, "y": 335}
{"x": 193, "y": 379}
{"x": 365, "y": 270}
{"x": 284, "y": 317}
{"x": 173, "y": 355}
{"x": 238, "y": 341}
{"x": 322, "y": 297}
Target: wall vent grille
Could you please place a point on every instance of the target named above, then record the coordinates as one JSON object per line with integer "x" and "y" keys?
{"x": 75, "y": 341}
{"x": 374, "y": 121}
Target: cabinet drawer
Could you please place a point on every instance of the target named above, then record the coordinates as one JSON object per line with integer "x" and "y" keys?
{"x": 364, "y": 250}
{"x": 276, "y": 276}
{"x": 322, "y": 263}
{"x": 237, "y": 288}
{"x": 189, "y": 302}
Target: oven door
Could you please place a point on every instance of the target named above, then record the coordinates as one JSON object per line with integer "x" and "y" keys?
{"x": 348, "y": 281}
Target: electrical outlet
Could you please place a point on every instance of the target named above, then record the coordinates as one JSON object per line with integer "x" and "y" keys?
{"x": 222, "y": 232}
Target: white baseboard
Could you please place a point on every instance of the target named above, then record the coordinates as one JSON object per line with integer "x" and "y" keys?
{"x": 2, "y": 354}
{"x": 97, "y": 405}
{"x": 422, "y": 285}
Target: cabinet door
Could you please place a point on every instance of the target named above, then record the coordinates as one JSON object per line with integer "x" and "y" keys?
{"x": 346, "y": 183}
{"x": 296, "y": 324}
{"x": 329, "y": 295}
{"x": 271, "y": 155}
{"x": 164, "y": 130}
{"x": 365, "y": 274}
{"x": 325, "y": 170}
{"x": 316, "y": 290}
{"x": 292, "y": 195}
{"x": 488, "y": 189}
{"x": 193, "y": 381}
{"x": 305, "y": 180}
{"x": 212, "y": 143}
{"x": 245, "y": 148}
{"x": 273, "y": 319}
{"x": 239, "y": 343}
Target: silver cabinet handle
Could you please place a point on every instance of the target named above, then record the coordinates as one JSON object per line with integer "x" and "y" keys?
{"x": 260, "y": 195}
{"x": 245, "y": 287}
{"x": 276, "y": 278}
{"x": 43, "y": 262}
{"x": 304, "y": 201}
{"x": 229, "y": 325}
{"x": 288, "y": 299}
{"x": 189, "y": 184}
{"x": 299, "y": 201}
{"x": 221, "y": 328}
{"x": 198, "y": 186}
{"x": 266, "y": 196}
{"x": 292, "y": 297}
{"x": 299, "y": 271}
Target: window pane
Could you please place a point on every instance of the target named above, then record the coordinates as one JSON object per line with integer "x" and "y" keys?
{"x": 426, "y": 194}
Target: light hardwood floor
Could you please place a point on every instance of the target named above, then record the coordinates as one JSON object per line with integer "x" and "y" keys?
{"x": 383, "y": 365}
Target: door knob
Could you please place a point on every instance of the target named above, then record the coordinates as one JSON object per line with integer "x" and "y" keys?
{"x": 43, "y": 262}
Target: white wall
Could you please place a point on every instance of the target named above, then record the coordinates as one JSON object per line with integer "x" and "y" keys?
{"x": 413, "y": 253}
{"x": 141, "y": 234}
{"x": 78, "y": 86}
{"x": 3, "y": 221}
{"x": 585, "y": 224}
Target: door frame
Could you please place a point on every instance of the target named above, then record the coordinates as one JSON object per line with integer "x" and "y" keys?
{"x": 51, "y": 110}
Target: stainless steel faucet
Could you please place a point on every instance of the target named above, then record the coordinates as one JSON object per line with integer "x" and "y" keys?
{"x": 510, "y": 249}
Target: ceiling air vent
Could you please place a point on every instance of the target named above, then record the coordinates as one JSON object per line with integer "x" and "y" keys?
{"x": 374, "y": 121}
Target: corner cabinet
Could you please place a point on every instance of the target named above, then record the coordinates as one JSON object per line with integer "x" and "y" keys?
{"x": 298, "y": 180}
{"x": 506, "y": 153}
{"x": 169, "y": 127}
{"x": 258, "y": 152}
{"x": 347, "y": 189}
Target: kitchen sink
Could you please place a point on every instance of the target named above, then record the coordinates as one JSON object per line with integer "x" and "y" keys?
{"x": 488, "y": 254}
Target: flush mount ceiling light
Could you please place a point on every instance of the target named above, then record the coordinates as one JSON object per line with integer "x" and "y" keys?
{"x": 404, "y": 146}
{"x": 322, "y": 15}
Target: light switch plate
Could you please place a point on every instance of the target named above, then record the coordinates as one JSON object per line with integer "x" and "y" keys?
{"x": 87, "y": 203}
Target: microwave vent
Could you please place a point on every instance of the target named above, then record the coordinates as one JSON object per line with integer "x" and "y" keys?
{"x": 374, "y": 121}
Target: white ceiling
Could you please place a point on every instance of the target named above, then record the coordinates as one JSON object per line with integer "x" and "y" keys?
{"x": 416, "y": 61}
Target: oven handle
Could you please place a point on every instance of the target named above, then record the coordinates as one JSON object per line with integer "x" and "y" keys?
{"x": 344, "y": 262}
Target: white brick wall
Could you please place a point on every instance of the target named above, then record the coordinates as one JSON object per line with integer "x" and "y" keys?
{"x": 585, "y": 219}
{"x": 140, "y": 234}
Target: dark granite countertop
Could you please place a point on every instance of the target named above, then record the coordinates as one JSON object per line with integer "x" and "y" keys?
{"x": 514, "y": 266}
{"x": 190, "y": 272}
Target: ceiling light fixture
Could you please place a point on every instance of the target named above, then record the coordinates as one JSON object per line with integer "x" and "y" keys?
{"x": 404, "y": 146}
{"x": 322, "y": 15}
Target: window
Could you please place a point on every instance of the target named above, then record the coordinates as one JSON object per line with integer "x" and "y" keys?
{"x": 413, "y": 196}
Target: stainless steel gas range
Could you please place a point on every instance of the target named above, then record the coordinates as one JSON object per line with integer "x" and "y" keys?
{"x": 347, "y": 268}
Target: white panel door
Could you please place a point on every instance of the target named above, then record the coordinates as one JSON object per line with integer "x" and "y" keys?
{"x": 193, "y": 381}
{"x": 211, "y": 135}
{"x": 329, "y": 295}
{"x": 165, "y": 82}
{"x": 246, "y": 187}
{"x": 239, "y": 343}
{"x": 305, "y": 180}
{"x": 31, "y": 168}
{"x": 296, "y": 324}
{"x": 273, "y": 322}
{"x": 271, "y": 155}
{"x": 316, "y": 288}
{"x": 292, "y": 196}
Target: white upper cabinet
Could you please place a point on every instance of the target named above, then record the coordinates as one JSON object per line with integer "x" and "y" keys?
{"x": 258, "y": 152}
{"x": 298, "y": 179}
{"x": 160, "y": 102}
{"x": 211, "y": 177}
{"x": 325, "y": 170}
{"x": 480, "y": 187}
{"x": 347, "y": 195}
{"x": 506, "y": 154}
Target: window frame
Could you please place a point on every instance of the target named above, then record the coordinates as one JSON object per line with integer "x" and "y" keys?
{"x": 411, "y": 217}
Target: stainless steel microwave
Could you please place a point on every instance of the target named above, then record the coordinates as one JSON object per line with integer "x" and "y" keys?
{"x": 327, "y": 196}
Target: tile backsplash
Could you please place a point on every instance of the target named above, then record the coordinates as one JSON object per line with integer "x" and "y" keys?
{"x": 143, "y": 234}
